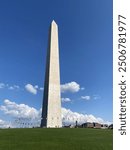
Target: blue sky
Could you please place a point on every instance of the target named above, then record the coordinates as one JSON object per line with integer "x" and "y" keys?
{"x": 85, "y": 40}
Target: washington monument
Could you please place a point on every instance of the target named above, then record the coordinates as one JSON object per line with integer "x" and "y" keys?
{"x": 51, "y": 109}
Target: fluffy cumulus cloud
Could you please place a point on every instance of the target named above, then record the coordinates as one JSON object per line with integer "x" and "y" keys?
{"x": 30, "y": 88}
{"x": 85, "y": 97}
{"x": 4, "y": 124}
{"x": 20, "y": 114}
{"x": 70, "y": 87}
{"x": 70, "y": 117}
{"x": 24, "y": 116}
{"x": 64, "y": 100}
{"x": 33, "y": 89}
{"x": 18, "y": 110}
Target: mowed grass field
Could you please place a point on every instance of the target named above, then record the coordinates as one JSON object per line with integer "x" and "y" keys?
{"x": 56, "y": 139}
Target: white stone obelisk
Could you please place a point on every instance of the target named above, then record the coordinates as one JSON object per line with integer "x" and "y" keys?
{"x": 51, "y": 110}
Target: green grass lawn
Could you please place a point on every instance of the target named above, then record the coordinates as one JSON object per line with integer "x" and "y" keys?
{"x": 56, "y": 139}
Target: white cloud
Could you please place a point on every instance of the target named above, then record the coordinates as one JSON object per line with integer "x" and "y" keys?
{"x": 30, "y": 88}
{"x": 24, "y": 113}
{"x": 85, "y": 97}
{"x": 70, "y": 117}
{"x": 70, "y": 87}
{"x": 36, "y": 86}
{"x": 33, "y": 89}
{"x": 16, "y": 87}
{"x": 1, "y": 122}
{"x": 82, "y": 88}
{"x": 19, "y": 113}
{"x": 65, "y": 100}
{"x": 4, "y": 124}
{"x": 95, "y": 97}
{"x": 2, "y": 85}
{"x": 41, "y": 88}
{"x": 18, "y": 110}
{"x": 13, "y": 87}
